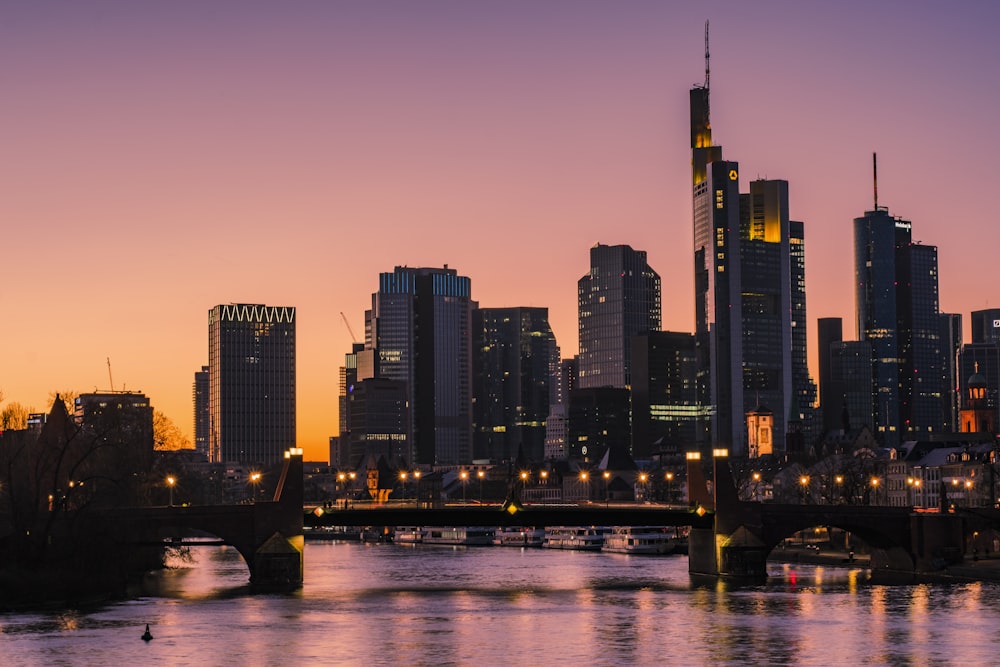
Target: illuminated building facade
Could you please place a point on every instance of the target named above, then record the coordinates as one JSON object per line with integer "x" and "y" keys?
{"x": 618, "y": 298}
{"x": 896, "y": 296}
{"x": 419, "y": 328}
{"x": 750, "y": 307}
{"x": 512, "y": 371}
{"x": 979, "y": 366}
{"x": 251, "y": 359}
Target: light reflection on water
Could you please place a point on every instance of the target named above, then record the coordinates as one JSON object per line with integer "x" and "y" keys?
{"x": 384, "y": 604}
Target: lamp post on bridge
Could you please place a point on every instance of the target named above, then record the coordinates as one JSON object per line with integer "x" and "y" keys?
{"x": 670, "y": 486}
{"x": 171, "y": 480}
{"x": 464, "y": 476}
{"x": 480, "y": 474}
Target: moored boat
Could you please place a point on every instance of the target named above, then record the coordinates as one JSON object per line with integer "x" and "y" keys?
{"x": 577, "y": 538}
{"x": 518, "y": 536}
{"x": 461, "y": 535}
{"x": 408, "y": 535}
{"x": 651, "y": 540}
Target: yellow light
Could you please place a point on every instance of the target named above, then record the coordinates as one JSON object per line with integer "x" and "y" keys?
{"x": 416, "y": 474}
{"x": 720, "y": 453}
{"x": 756, "y": 477}
{"x": 874, "y": 481}
{"x": 481, "y": 473}
{"x": 524, "y": 475}
{"x": 543, "y": 474}
{"x": 803, "y": 480}
{"x": 607, "y": 475}
{"x": 693, "y": 456}
{"x": 318, "y": 511}
{"x": 839, "y": 479}
{"x": 512, "y": 509}
{"x": 701, "y": 511}
{"x": 402, "y": 475}
{"x": 583, "y": 475}
{"x": 669, "y": 476}
{"x": 642, "y": 477}
{"x": 171, "y": 480}
{"x": 341, "y": 476}
{"x": 463, "y": 475}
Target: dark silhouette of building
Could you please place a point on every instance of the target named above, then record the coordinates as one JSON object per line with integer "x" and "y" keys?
{"x": 851, "y": 381}
{"x": 202, "y": 416}
{"x": 419, "y": 328}
{"x": 379, "y": 420}
{"x": 829, "y": 330}
{"x": 512, "y": 369}
{"x": 618, "y": 298}
{"x": 665, "y": 410}
{"x": 251, "y": 359}
{"x": 951, "y": 346}
{"x": 979, "y": 365}
{"x": 986, "y": 326}
{"x": 599, "y": 418}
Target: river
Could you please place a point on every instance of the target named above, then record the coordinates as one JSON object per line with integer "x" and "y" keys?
{"x": 423, "y": 605}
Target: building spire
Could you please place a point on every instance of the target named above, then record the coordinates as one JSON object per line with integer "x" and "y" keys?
{"x": 708, "y": 69}
{"x": 875, "y": 177}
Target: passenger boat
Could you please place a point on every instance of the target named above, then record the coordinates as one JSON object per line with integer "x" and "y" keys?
{"x": 644, "y": 540}
{"x": 578, "y": 538}
{"x": 408, "y": 535}
{"x": 462, "y": 535}
{"x": 518, "y": 536}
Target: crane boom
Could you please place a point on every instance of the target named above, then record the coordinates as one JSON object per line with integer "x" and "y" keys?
{"x": 109, "y": 376}
{"x": 348, "y": 325}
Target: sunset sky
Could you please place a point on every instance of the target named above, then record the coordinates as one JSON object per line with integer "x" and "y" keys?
{"x": 160, "y": 158}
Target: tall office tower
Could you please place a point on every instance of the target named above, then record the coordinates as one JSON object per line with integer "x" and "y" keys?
{"x": 512, "y": 368}
{"x": 251, "y": 359}
{"x": 986, "y": 326}
{"x": 896, "y": 295}
{"x": 420, "y": 329}
{"x": 851, "y": 375}
{"x": 665, "y": 409}
{"x": 617, "y": 299}
{"x": 951, "y": 344}
{"x": 829, "y": 330}
{"x": 718, "y": 302}
{"x": 201, "y": 414}
{"x": 773, "y": 322}
{"x": 557, "y": 424}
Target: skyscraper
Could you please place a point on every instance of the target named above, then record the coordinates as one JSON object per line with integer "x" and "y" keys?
{"x": 511, "y": 387}
{"x": 617, "y": 299}
{"x": 750, "y": 308}
{"x": 830, "y": 330}
{"x": 251, "y": 359}
{"x": 986, "y": 326}
{"x": 201, "y": 411}
{"x": 896, "y": 295}
{"x": 665, "y": 409}
{"x": 420, "y": 329}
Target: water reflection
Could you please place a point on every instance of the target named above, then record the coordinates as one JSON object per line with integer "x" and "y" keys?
{"x": 383, "y": 604}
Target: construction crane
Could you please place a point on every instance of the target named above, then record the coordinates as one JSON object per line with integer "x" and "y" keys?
{"x": 348, "y": 325}
{"x": 109, "y": 376}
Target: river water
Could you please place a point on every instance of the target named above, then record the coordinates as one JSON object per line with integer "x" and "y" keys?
{"x": 423, "y": 605}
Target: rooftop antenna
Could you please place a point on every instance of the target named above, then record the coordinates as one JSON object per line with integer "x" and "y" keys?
{"x": 875, "y": 177}
{"x": 707, "y": 68}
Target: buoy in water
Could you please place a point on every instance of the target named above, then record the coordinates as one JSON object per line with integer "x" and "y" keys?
{"x": 147, "y": 635}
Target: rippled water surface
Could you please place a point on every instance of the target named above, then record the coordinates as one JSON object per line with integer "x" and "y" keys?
{"x": 386, "y": 604}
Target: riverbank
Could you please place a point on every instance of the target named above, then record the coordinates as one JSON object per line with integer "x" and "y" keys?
{"x": 971, "y": 569}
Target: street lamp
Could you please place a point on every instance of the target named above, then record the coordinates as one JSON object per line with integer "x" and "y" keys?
{"x": 607, "y": 489}
{"x": 584, "y": 477}
{"x": 402, "y": 478}
{"x": 804, "y": 484}
{"x": 171, "y": 480}
{"x": 670, "y": 486}
{"x": 756, "y": 486}
{"x": 464, "y": 476}
{"x": 875, "y": 483}
{"x": 480, "y": 474}
{"x": 255, "y": 478}
{"x": 642, "y": 481}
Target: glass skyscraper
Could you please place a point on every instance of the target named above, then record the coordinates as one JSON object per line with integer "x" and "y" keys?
{"x": 618, "y": 298}
{"x": 420, "y": 328}
{"x": 251, "y": 360}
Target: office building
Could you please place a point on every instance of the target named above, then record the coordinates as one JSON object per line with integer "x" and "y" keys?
{"x": 896, "y": 296}
{"x": 201, "y": 412}
{"x": 986, "y": 326}
{"x": 251, "y": 359}
{"x": 665, "y": 409}
{"x": 512, "y": 370}
{"x": 419, "y": 329}
{"x": 829, "y": 330}
{"x": 618, "y": 298}
{"x": 851, "y": 382}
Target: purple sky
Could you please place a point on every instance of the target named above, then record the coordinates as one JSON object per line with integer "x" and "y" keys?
{"x": 161, "y": 158}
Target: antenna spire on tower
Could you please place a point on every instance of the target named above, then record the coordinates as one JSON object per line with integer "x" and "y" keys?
{"x": 875, "y": 177}
{"x": 707, "y": 68}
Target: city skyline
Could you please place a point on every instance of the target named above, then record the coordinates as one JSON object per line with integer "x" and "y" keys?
{"x": 166, "y": 158}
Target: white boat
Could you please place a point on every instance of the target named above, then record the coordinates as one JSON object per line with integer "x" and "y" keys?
{"x": 409, "y": 535}
{"x": 644, "y": 540}
{"x": 465, "y": 535}
{"x": 517, "y": 536}
{"x": 577, "y": 538}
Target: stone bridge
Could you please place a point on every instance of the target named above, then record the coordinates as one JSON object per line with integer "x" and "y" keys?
{"x": 267, "y": 534}
{"x": 744, "y": 533}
